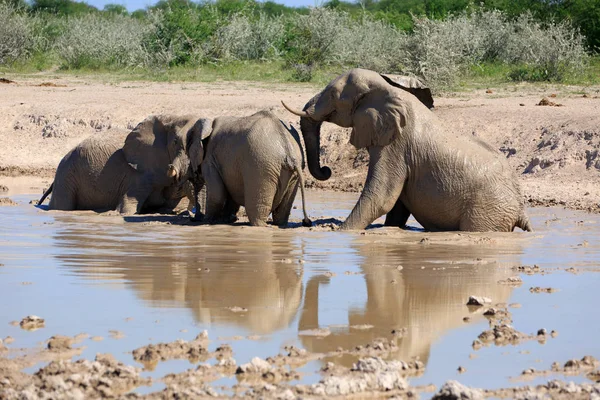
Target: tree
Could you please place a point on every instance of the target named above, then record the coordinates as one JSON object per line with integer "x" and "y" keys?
{"x": 62, "y": 7}
{"x": 115, "y": 9}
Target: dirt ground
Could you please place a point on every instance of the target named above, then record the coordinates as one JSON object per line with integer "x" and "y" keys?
{"x": 554, "y": 149}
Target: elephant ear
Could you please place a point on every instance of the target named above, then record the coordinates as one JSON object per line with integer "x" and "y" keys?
{"x": 197, "y": 139}
{"x": 413, "y": 86}
{"x": 376, "y": 123}
{"x": 144, "y": 147}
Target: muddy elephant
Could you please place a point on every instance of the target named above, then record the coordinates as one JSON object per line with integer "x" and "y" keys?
{"x": 148, "y": 171}
{"x": 255, "y": 162}
{"x": 417, "y": 165}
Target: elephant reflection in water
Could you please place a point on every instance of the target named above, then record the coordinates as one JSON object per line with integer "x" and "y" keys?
{"x": 208, "y": 271}
{"x": 426, "y": 302}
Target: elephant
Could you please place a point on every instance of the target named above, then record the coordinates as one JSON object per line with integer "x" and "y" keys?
{"x": 417, "y": 165}
{"x": 254, "y": 161}
{"x": 146, "y": 172}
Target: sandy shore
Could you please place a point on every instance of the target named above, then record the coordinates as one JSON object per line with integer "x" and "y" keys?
{"x": 553, "y": 149}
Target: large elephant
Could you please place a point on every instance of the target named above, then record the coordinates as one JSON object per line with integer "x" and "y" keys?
{"x": 148, "y": 171}
{"x": 417, "y": 165}
{"x": 254, "y": 161}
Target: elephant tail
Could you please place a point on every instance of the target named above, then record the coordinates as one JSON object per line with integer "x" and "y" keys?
{"x": 523, "y": 223}
{"x": 46, "y": 193}
{"x": 306, "y": 221}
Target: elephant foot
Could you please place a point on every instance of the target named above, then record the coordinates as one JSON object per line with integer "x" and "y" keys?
{"x": 197, "y": 217}
{"x": 306, "y": 222}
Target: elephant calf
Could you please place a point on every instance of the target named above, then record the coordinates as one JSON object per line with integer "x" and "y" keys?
{"x": 147, "y": 172}
{"x": 256, "y": 162}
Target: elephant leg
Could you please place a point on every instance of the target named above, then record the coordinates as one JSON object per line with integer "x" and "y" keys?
{"x": 230, "y": 211}
{"x": 385, "y": 180}
{"x": 132, "y": 202}
{"x": 398, "y": 215}
{"x": 259, "y": 196}
{"x": 64, "y": 200}
{"x": 216, "y": 196}
{"x": 281, "y": 214}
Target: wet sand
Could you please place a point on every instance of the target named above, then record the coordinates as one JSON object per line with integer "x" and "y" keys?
{"x": 311, "y": 303}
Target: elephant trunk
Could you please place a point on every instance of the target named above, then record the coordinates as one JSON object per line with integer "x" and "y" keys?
{"x": 317, "y": 110}
{"x": 178, "y": 169}
{"x": 311, "y": 131}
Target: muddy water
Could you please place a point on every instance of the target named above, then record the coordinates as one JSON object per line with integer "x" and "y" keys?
{"x": 138, "y": 280}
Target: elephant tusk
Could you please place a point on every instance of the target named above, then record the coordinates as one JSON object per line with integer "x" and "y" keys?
{"x": 172, "y": 172}
{"x": 302, "y": 114}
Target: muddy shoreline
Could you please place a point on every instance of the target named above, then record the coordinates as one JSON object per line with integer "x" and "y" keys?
{"x": 554, "y": 151}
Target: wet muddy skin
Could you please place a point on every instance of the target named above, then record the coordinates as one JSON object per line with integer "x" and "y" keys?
{"x": 129, "y": 282}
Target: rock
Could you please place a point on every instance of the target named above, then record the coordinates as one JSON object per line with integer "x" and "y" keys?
{"x": 368, "y": 375}
{"x": 256, "y": 366}
{"x": 5, "y": 201}
{"x": 538, "y": 289}
{"x": 168, "y": 351}
{"x": 202, "y": 335}
{"x": 461, "y": 370}
{"x": 3, "y": 188}
{"x": 513, "y": 281}
{"x": 453, "y": 390}
{"x": 32, "y": 323}
{"x": 478, "y": 301}
{"x": 60, "y": 343}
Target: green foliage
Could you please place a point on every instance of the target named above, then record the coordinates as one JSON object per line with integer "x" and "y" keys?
{"x": 115, "y": 9}
{"x": 61, "y": 7}
{"x": 432, "y": 39}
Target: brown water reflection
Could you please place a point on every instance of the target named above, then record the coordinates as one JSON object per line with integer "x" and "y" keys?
{"x": 210, "y": 270}
{"x": 427, "y": 297}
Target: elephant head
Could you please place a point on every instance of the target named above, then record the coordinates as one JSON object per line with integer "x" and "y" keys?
{"x": 167, "y": 147}
{"x": 359, "y": 99}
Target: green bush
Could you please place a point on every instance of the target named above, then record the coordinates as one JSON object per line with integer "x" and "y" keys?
{"x": 180, "y": 33}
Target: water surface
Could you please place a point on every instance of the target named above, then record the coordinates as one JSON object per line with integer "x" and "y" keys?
{"x": 153, "y": 282}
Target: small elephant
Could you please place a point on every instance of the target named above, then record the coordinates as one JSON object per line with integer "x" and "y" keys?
{"x": 256, "y": 162}
{"x": 417, "y": 165}
{"x": 149, "y": 171}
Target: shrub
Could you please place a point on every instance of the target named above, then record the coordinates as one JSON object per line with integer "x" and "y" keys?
{"x": 543, "y": 52}
{"x": 248, "y": 38}
{"x": 371, "y": 44}
{"x": 16, "y": 34}
{"x": 311, "y": 40}
{"x": 440, "y": 51}
{"x": 94, "y": 41}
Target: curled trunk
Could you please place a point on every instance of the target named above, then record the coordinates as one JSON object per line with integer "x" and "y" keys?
{"x": 311, "y": 131}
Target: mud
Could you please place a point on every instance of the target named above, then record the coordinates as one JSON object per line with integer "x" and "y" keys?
{"x": 103, "y": 377}
{"x": 194, "y": 351}
{"x": 32, "y": 323}
{"x": 5, "y": 201}
{"x": 394, "y": 310}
